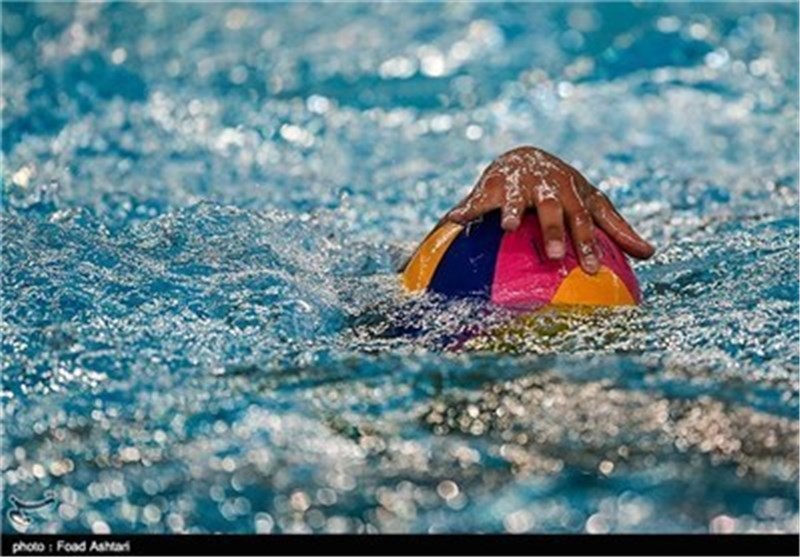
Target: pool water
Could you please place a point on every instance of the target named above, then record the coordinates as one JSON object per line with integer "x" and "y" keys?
{"x": 204, "y": 206}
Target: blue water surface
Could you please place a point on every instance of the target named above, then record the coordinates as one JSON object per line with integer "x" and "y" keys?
{"x": 204, "y": 206}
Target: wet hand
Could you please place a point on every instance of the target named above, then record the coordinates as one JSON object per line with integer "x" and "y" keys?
{"x": 527, "y": 177}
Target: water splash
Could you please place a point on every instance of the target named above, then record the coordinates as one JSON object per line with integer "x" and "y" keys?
{"x": 202, "y": 329}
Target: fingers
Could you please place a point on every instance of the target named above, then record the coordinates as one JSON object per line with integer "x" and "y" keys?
{"x": 581, "y": 227}
{"x": 551, "y": 221}
{"x": 616, "y": 226}
{"x": 484, "y": 198}
{"x": 512, "y": 210}
{"x": 469, "y": 210}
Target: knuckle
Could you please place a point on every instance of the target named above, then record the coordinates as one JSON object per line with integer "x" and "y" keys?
{"x": 493, "y": 180}
{"x": 580, "y": 179}
{"x": 554, "y": 231}
{"x": 598, "y": 203}
{"x": 549, "y": 205}
{"x": 522, "y": 149}
{"x": 513, "y": 196}
{"x": 582, "y": 218}
{"x": 598, "y": 196}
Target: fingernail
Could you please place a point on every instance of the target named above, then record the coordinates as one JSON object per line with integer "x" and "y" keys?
{"x": 555, "y": 249}
{"x": 510, "y": 223}
{"x": 591, "y": 263}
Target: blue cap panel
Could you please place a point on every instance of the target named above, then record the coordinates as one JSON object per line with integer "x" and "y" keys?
{"x": 467, "y": 268}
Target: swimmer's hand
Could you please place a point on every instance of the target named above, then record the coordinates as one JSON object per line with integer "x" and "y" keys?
{"x": 529, "y": 177}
